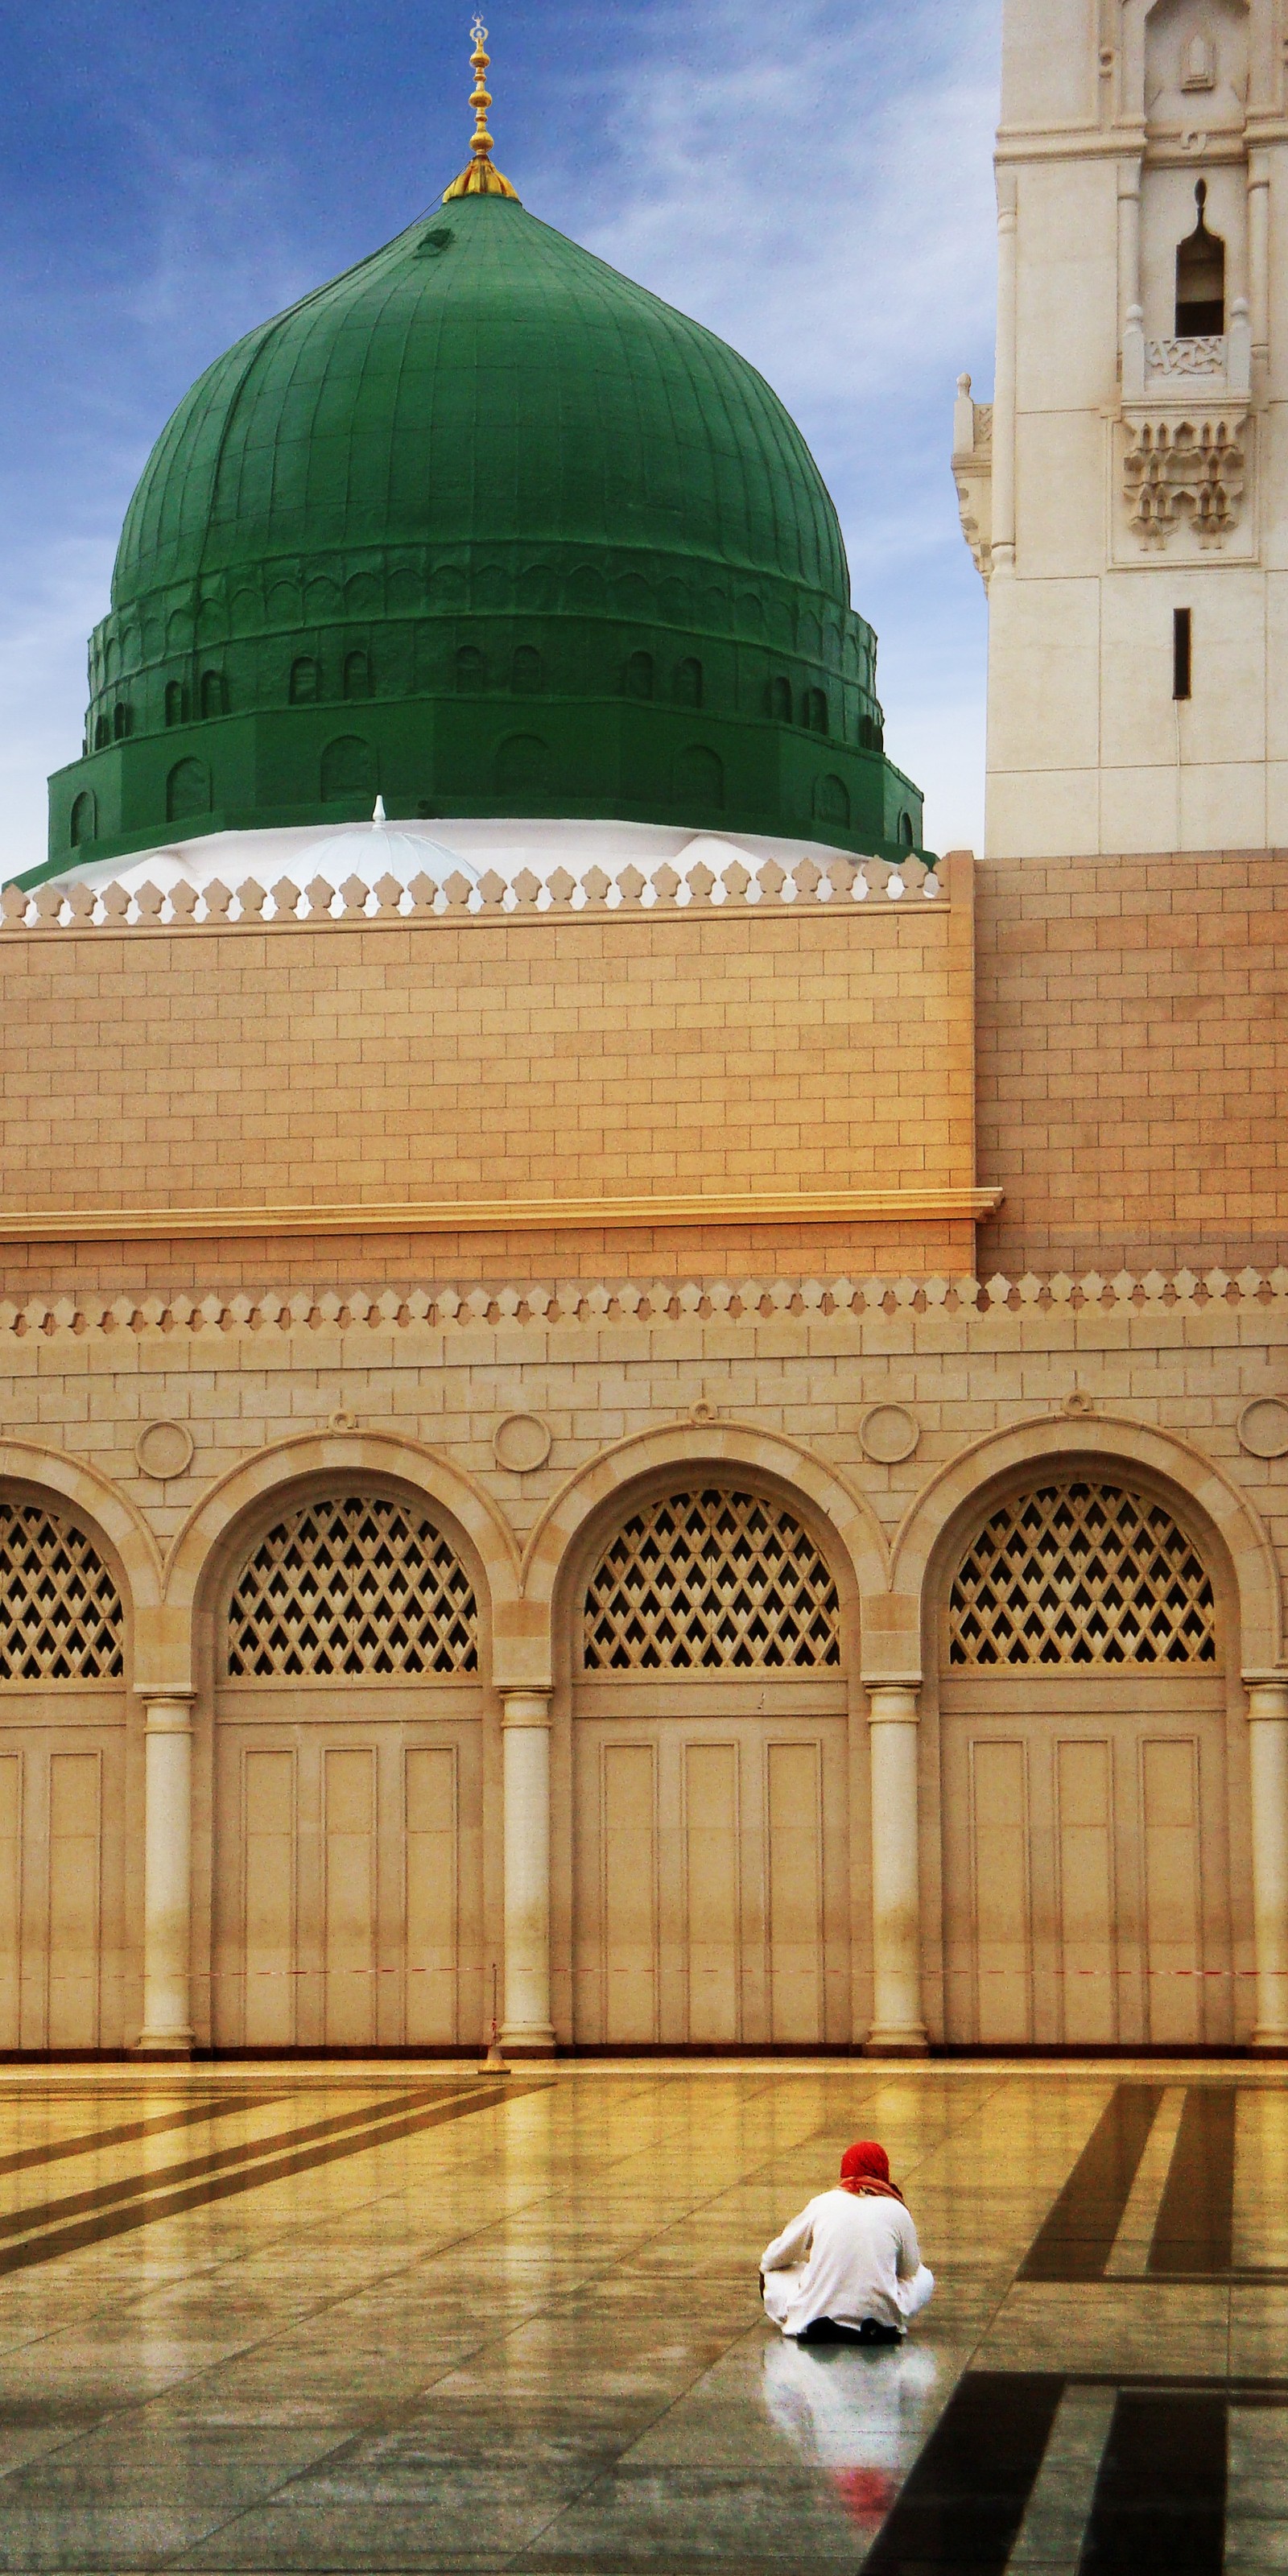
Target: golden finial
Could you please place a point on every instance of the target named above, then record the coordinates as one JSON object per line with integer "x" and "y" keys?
{"x": 480, "y": 179}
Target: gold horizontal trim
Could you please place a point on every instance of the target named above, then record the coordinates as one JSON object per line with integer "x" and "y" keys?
{"x": 495, "y": 1216}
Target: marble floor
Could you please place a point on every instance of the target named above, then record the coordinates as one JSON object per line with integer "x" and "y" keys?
{"x": 372, "y": 2317}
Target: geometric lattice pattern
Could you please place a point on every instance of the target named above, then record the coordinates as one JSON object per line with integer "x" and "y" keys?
{"x": 351, "y": 1586}
{"x": 60, "y": 1611}
{"x": 711, "y": 1580}
{"x": 1081, "y": 1574}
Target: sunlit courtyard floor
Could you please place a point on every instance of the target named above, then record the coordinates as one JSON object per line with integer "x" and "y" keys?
{"x": 269, "y": 2317}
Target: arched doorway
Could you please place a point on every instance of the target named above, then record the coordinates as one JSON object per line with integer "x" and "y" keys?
{"x": 1084, "y": 1756}
{"x": 63, "y": 1709}
{"x": 710, "y": 1776}
{"x": 349, "y": 1780}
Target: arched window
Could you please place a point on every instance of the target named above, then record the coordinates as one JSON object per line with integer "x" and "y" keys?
{"x": 637, "y": 678}
{"x": 176, "y": 702}
{"x": 699, "y": 776}
{"x": 831, "y": 800}
{"x": 306, "y": 681}
{"x": 1200, "y": 278}
{"x": 471, "y": 669}
{"x": 187, "y": 790}
{"x": 522, "y": 766}
{"x": 711, "y": 1580}
{"x": 102, "y": 733}
{"x": 687, "y": 688}
{"x": 525, "y": 671}
{"x": 907, "y": 837}
{"x": 60, "y": 1611}
{"x": 779, "y": 700}
{"x": 357, "y": 675}
{"x": 814, "y": 710}
{"x": 1081, "y": 1573}
{"x": 357, "y": 1584}
{"x": 120, "y": 720}
{"x": 214, "y": 694}
{"x": 84, "y": 819}
{"x": 348, "y": 770}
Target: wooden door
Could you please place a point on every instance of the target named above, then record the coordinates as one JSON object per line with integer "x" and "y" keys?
{"x": 348, "y": 1874}
{"x": 710, "y": 1880}
{"x": 1085, "y": 1867}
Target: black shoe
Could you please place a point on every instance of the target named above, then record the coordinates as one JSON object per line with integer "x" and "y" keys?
{"x": 826, "y": 2330}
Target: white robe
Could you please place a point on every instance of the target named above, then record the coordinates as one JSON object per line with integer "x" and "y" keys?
{"x": 846, "y": 2258}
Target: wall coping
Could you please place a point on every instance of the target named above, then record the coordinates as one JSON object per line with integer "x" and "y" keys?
{"x": 64, "y": 903}
{"x": 505, "y": 1304}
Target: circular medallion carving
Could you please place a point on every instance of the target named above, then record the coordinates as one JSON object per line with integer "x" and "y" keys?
{"x": 1262, "y": 1427}
{"x": 1078, "y": 1403}
{"x": 164, "y": 1449}
{"x": 521, "y": 1442}
{"x": 888, "y": 1434}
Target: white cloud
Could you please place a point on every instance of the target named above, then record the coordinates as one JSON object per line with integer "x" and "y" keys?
{"x": 819, "y": 191}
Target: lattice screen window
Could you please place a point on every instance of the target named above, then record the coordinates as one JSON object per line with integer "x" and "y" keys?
{"x": 60, "y": 1611}
{"x": 1081, "y": 1574}
{"x": 713, "y": 1580}
{"x": 352, "y": 1586}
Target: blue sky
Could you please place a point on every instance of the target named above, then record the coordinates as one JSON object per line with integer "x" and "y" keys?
{"x": 813, "y": 182}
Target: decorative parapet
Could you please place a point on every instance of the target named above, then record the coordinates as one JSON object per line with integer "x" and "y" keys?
{"x": 1185, "y": 413}
{"x": 596, "y": 1302}
{"x": 61, "y": 904}
{"x": 1192, "y": 469}
{"x": 973, "y": 474}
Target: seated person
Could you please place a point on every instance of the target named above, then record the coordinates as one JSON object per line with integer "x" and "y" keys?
{"x": 849, "y": 2269}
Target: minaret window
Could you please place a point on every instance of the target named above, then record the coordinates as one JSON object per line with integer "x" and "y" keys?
{"x": 638, "y": 676}
{"x": 1200, "y": 278}
{"x": 470, "y": 672}
{"x": 305, "y": 678}
{"x": 780, "y": 700}
{"x": 214, "y": 696}
{"x": 176, "y": 702}
{"x": 357, "y": 675}
{"x": 688, "y": 683}
{"x": 1182, "y": 653}
{"x": 525, "y": 672}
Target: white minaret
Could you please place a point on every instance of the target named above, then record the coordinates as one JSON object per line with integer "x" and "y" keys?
{"x": 1126, "y": 493}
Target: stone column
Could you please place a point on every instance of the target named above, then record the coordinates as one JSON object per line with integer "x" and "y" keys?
{"x": 167, "y": 1874}
{"x": 896, "y": 1877}
{"x": 1131, "y": 319}
{"x": 1004, "y": 389}
{"x": 526, "y": 2029}
{"x": 1268, "y": 1762}
{"x": 1259, "y": 264}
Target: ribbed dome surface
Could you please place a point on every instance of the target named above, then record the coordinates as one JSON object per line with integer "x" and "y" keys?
{"x": 486, "y": 529}
{"x": 483, "y": 379}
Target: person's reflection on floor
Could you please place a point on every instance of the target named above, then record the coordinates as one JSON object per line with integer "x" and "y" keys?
{"x": 849, "y": 2269}
{"x": 862, "y": 2423}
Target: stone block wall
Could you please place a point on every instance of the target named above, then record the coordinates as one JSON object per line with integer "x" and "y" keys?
{"x": 1133, "y": 1060}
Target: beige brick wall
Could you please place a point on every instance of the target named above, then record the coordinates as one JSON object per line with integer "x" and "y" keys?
{"x": 1133, "y": 1061}
{"x": 736, "y": 1048}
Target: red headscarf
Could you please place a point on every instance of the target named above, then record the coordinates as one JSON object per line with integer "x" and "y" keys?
{"x": 865, "y": 2170}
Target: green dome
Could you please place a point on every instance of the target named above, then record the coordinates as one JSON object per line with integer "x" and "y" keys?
{"x": 486, "y": 528}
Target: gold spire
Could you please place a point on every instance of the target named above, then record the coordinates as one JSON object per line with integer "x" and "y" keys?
{"x": 480, "y": 179}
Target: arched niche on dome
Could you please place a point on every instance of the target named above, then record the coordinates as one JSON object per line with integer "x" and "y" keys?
{"x": 349, "y": 772}
{"x": 188, "y": 791}
{"x": 699, "y": 778}
{"x": 522, "y": 765}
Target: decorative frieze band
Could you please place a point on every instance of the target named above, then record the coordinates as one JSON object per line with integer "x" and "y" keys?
{"x": 600, "y": 1301}
{"x": 61, "y": 904}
